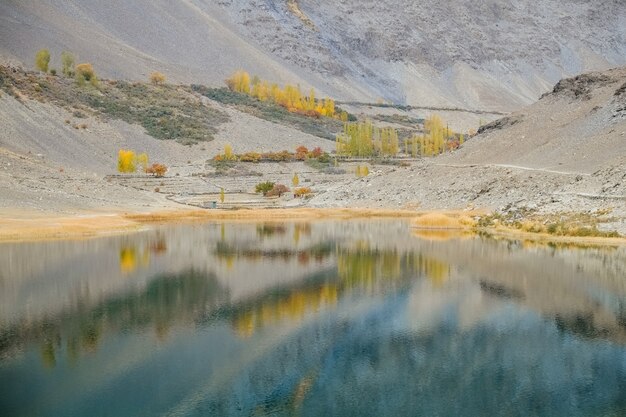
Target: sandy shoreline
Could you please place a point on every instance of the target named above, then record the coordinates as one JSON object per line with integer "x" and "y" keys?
{"x": 20, "y": 226}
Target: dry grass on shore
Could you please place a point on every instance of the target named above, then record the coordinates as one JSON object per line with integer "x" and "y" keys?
{"x": 427, "y": 225}
{"x": 20, "y": 227}
{"x": 437, "y": 220}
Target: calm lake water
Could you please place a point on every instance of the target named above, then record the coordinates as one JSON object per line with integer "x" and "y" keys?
{"x": 346, "y": 318}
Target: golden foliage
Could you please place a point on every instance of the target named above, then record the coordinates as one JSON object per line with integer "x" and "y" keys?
{"x": 128, "y": 260}
{"x": 363, "y": 139}
{"x": 157, "y": 78}
{"x": 295, "y": 180}
{"x": 228, "y": 152}
{"x": 67, "y": 64}
{"x": 362, "y": 171}
{"x": 291, "y": 307}
{"x": 86, "y": 73}
{"x": 42, "y": 60}
{"x": 436, "y": 140}
{"x": 250, "y": 157}
{"x": 239, "y": 82}
{"x": 302, "y": 191}
{"x": 126, "y": 161}
{"x": 290, "y": 97}
{"x": 142, "y": 161}
{"x": 443, "y": 221}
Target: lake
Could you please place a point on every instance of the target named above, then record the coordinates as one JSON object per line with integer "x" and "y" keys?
{"x": 337, "y": 318}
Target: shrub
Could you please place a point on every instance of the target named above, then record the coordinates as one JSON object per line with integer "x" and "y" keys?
{"x": 250, "y": 157}
{"x": 157, "y": 78}
{"x": 67, "y": 64}
{"x": 301, "y": 153}
{"x": 316, "y": 152}
{"x": 86, "y": 73}
{"x": 302, "y": 192}
{"x": 126, "y": 161}
{"x": 264, "y": 187}
{"x": 281, "y": 156}
{"x": 277, "y": 190}
{"x": 42, "y": 60}
{"x": 295, "y": 180}
{"x": 324, "y": 158}
{"x": 158, "y": 170}
{"x": 53, "y": 71}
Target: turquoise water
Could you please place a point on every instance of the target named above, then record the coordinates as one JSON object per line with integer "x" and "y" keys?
{"x": 307, "y": 319}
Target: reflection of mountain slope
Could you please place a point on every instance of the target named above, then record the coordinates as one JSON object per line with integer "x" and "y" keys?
{"x": 385, "y": 324}
{"x": 166, "y": 301}
{"x": 510, "y": 363}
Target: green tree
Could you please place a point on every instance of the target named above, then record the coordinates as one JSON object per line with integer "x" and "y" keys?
{"x": 264, "y": 187}
{"x": 42, "y": 60}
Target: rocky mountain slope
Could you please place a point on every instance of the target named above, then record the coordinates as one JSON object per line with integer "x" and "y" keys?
{"x": 478, "y": 55}
{"x": 565, "y": 153}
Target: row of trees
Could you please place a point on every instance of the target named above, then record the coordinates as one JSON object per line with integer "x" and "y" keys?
{"x": 128, "y": 162}
{"x": 302, "y": 153}
{"x": 84, "y": 73}
{"x": 437, "y": 139}
{"x": 271, "y": 189}
{"x": 289, "y": 97}
{"x": 363, "y": 139}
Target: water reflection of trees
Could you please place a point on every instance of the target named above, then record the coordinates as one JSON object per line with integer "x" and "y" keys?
{"x": 359, "y": 269}
{"x": 292, "y": 305}
{"x": 132, "y": 256}
{"x": 270, "y": 229}
{"x": 167, "y": 300}
{"x": 229, "y": 252}
{"x": 503, "y": 368}
{"x": 363, "y": 268}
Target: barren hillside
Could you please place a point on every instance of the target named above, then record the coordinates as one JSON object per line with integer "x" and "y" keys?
{"x": 578, "y": 127}
{"x": 479, "y": 55}
{"x": 565, "y": 153}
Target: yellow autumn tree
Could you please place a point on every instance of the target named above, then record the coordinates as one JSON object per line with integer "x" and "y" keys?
{"x": 126, "y": 161}
{"x": 363, "y": 139}
{"x": 228, "y": 152}
{"x": 42, "y": 60}
{"x": 67, "y": 64}
{"x": 86, "y": 73}
{"x": 143, "y": 161}
{"x": 157, "y": 78}
{"x": 290, "y": 96}
{"x": 239, "y": 82}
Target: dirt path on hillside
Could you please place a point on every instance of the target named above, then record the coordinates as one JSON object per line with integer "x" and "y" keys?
{"x": 523, "y": 168}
